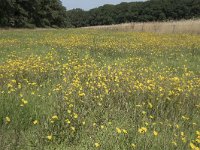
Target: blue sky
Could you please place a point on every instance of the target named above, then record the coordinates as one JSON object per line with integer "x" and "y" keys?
{"x": 88, "y": 4}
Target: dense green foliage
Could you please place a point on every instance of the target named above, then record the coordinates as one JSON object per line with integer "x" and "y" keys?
{"x": 31, "y": 13}
{"x": 153, "y": 10}
{"x": 51, "y": 13}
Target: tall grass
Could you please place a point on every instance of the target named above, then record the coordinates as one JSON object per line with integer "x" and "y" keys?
{"x": 91, "y": 89}
{"x": 184, "y": 26}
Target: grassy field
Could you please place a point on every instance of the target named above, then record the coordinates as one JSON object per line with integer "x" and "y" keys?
{"x": 94, "y": 89}
{"x": 183, "y": 26}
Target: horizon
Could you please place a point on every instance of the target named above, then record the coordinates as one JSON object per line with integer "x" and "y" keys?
{"x": 88, "y": 4}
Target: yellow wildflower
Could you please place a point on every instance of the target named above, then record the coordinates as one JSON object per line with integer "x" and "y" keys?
{"x": 174, "y": 143}
{"x": 9, "y": 85}
{"x": 75, "y": 115}
{"x": 8, "y": 120}
{"x": 24, "y": 101}
{"x": 55, "y": 117}
{"x": 184, "y": 139}
{"x": 81, "y": 94}
{"x": 194, "y": 147}
{"x": 151, "y": 116}
{"x": 68, "y": 121}
{"x": 142, "y": 130}
{"x": 97, "y": 145}
{"x": 73, "y": 128}
{"x": 125, "y": 131}
{"x": 198, "y": 140}
{"x": 49, "y": 137}
{"x": 35, "y": 122}
{"x": 102, "y": 126}
{"x": 118, "y": 130}
{"x": 155, "y": 133}
{"x": 150, "y": 105}
{"x": 133, "y": 145}
{"x": 185, "y": 118}
{"x": 198, "y": 132}
{"x": 182, "y": 133}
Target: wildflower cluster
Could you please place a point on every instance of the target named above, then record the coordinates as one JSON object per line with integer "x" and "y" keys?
{"x": 99, "y": 90}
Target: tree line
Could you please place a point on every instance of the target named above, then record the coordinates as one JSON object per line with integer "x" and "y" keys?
{"x": 32, "y": 13}
{"x": 51, "y": 13}
{"x": 152, "y": 10}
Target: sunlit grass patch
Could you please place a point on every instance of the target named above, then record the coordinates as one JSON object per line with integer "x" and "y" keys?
{"x": 80, "y": 89}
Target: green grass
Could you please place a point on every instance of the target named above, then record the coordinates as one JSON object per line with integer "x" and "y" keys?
{"x": 108, "y": 79}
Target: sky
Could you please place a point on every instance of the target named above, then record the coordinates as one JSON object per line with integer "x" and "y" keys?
{"x": 89, "y": 4}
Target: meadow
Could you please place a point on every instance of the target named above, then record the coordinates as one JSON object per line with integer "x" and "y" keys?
{"x": 87, "y": 89}
{"x": 180, "y": 27}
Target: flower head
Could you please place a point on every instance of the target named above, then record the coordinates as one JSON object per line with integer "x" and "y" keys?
{"x": 155, "y": 133}
{"x": 125, "y": 131}
{"x": 97, "y": 145}
{"x": 8, "y": 120}
{"x": 142, "y": 130}
{"x": 118, "y": 130}
{"x": 49, "y": 137}
{"x": 133, "y": 145}
{"x": 35, "y": 122}
{"x": 55, "y": 117}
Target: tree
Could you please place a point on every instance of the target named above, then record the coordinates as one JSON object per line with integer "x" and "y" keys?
{"x": 78, "y": 17}
{"x": 40, "y": 13}
{"x": 51, "y": 13}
